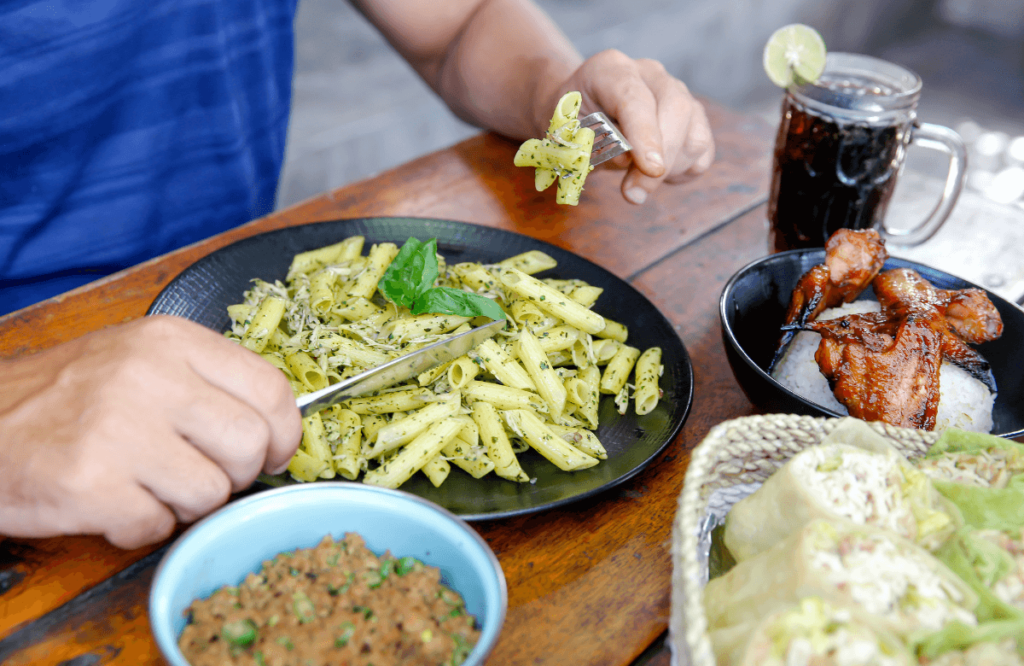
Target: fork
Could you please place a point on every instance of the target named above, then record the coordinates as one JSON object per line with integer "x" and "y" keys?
{"x": 608, "y": 140}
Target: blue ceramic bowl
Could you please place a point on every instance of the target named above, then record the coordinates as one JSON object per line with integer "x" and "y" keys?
{"x": 224, "y": 547}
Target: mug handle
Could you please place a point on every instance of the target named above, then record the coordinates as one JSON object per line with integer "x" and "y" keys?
{"x": 936, "y": 137}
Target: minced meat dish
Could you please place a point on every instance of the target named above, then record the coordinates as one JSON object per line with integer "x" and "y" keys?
{"x": 337, "y": 604}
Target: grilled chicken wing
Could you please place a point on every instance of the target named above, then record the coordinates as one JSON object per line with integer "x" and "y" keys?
{"x": 852, "y": 260}
{"x": 884, "y": 366}
{"x": 898, "y": 383}
{"x": 969, "y": 316}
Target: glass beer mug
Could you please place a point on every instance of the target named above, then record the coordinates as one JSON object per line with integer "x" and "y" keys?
{"x": 842, "y": 142}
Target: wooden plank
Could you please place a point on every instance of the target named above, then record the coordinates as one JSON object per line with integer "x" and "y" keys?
{"x": 38, "y": 575}
{"x": 107, "y": 625}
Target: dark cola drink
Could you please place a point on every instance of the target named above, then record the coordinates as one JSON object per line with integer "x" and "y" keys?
{"x": 841, "y": 144}
{"x": 830, "y": 173}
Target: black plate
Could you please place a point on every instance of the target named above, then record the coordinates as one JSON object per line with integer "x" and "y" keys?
{"x": 203, "y": 291}
{"x": 753, "y": 307}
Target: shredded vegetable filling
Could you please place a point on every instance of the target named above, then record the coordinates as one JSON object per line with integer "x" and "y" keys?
{"x": 804, "y": 636}
{"x": 860, "y": 485}
{"x": 986, "y": 469}
{"x": 1009, "y": 588}
{"x": 1003, "y": 653}
{"x": 887, "y": 580}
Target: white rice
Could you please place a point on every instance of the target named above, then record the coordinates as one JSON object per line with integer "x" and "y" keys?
{"x": 964, "y": 402}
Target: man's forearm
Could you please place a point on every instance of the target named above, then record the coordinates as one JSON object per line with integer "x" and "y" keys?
{"x": 497, "y": 63}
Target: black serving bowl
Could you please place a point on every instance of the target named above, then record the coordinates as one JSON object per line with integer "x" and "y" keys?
{"x": 753, "y": 306}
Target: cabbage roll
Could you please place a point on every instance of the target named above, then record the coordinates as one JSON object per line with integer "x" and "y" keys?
{"x": 992, "y": 563}
{"x": 854, "y": 474}
{"x": 902, "y": 585}
{"x": 983, "y": 475}
{"x": 809, "y": 632}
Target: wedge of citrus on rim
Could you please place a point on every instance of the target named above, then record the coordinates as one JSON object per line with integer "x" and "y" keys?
{"x": 794, "y": 54}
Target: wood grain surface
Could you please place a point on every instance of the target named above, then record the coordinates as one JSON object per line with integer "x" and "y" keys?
{"x": 588, "y": 583}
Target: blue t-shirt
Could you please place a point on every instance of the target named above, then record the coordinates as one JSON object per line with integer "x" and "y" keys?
{"x": 129, "y": 129}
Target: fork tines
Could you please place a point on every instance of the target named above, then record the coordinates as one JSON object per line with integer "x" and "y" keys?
{"x": 608, "y": 140}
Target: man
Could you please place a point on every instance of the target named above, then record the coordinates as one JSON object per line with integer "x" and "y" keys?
{"x": 128, "y": 129}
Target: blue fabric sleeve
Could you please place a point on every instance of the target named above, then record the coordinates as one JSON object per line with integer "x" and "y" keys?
{"x": 129, "y": 129}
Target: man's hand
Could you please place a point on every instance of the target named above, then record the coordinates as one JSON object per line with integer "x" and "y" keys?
{"x": 504, "y": 64}
{"x": 126, "y": 431}
{"x": 666, "y": 126}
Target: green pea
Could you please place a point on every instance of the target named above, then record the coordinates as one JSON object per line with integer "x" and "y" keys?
{"x": 347, "y": 631}
{"x": 405, "y": 565}
{"x": 373, "y": 579}
{"x": 303, "y": 607}
{"x": 462, "y": 649}
{"x": 343, "y": 588}
{"x": 240, "y": 632}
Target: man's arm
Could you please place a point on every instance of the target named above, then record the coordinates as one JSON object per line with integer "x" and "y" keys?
{"x": 503, "y": 65}
{"x": 496, "y": 63}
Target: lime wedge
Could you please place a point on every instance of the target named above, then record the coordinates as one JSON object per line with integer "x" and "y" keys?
{"x": 794, "y": 54}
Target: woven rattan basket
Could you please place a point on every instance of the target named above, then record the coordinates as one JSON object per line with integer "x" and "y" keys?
{"x": 732, "y": 461}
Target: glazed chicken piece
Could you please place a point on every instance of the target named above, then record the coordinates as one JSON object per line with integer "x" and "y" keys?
{"x": 972, "y": 315}
{"x": 969, "y": 316}
{"x": 852, "y": 260}
{"x": 874, "y": 330}
{"x": 884, "y": 366}
{"x": 969, "y": 312}
{"x": 885, "y": 377}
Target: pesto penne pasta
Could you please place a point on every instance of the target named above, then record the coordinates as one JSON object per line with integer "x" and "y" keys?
{"x": 548, "y": 383}
{"x": 314, "y": 442}
{"x": 461, "y": 371}
{"x": 413, "y": 457}
{"x": 530, "y": 262}
{"x": 617, "y": 371}
{"x": 537, "y": 385}
{"x": 437, "y": 470}
{"x": 493, "y": 437}
{"x": 403, "y": 430}
{"x": 387, "y": 403}
{"x": 552, "y": 301}
{"x": 648, "y": 372}
{"x": 500, "y": 364}
{"x": 534, "y": 432}
{"x": 263, "y": 323}
{"x": 503, "y": 397}
{"x": 377, "y": 262}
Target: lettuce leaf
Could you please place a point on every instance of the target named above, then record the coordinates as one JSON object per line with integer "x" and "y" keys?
{"x": 980, "y": 563}
{"x": 959, "y": 636}
{"x": 991, "y": 508}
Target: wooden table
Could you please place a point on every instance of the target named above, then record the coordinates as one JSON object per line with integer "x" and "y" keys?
{"x": 587, "y": 583}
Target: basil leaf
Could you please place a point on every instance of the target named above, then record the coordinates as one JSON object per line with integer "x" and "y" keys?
{"x": 445, "y": 300}
{"x": 413, "y": 271}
